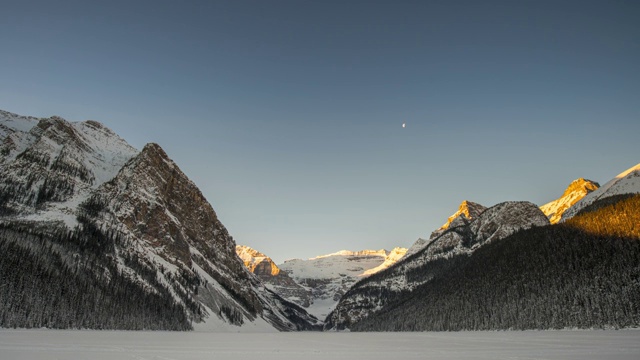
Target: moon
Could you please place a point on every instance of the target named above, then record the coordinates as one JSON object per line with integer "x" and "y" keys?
{"x": 404, "y": 125}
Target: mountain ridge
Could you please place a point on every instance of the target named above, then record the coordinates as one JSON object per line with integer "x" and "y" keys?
{"x": 373, "y": 293}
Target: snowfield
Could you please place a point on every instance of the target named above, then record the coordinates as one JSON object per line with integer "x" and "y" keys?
{"x": 63, "y": 344}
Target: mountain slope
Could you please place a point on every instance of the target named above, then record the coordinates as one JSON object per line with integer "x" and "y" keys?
{"x": 627, "y": 182}
{"x": 577, "y": 190}
{"x": 374, "y": 293}
{"x": 582, "y": 273}
{"x": 78, "y": 201}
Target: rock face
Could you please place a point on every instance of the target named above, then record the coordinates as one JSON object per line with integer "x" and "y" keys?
{"x": 128, "y": 220}
{"x": 578, "y": 189}
{"x": 467, "y": 211}
{"x": 374, "y": 293}
{"x": 273, "y": 278}
{"x": 257, "y": 262}
{"x": 627, "y": 182}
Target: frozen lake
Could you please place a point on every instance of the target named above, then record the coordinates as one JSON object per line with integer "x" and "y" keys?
{"x": 62, "y": 344}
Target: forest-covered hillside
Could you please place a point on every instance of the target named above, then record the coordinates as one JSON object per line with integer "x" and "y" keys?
{"x": 583, "y": 273}
{"x": 69, "y": 279}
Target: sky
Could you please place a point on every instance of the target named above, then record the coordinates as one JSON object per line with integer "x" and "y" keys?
{"x": 288, "y": 114}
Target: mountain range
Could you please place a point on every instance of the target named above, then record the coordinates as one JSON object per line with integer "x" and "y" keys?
{"x": 508, "y": 267}
{"x": 318, "y": 283}
{"x": 97, "y": 234}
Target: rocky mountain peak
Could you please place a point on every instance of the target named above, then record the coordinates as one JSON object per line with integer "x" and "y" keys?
{"x": 170, "y": 219}
{"x": 577, "y": 190}
{"x": 257, "y": 262}
{"x": 466, "y": 211}
{"x": 581, "y": 185}
{"x": 158, "y": 203}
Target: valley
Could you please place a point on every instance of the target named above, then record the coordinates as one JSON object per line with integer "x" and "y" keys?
{"x": 88, "y": 222}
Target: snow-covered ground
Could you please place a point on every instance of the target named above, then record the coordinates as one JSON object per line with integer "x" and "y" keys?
{"x": 58, "y": 344}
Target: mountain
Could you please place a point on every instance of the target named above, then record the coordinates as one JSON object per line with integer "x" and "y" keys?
{"x": 318, "y": 283}
{"x": 95, "y": 234}
{"x": 467, "y": 211}
{"x": 627, "y": 182}
{"x": 272, "y": 277}
{"x": 394, "y": 284}
{"x": 582, "y": 273}
{"x": 328, "y": 277}
{"x": 578, "y": 189}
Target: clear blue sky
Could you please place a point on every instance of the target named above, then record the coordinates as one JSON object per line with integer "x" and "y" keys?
{"x": 287, "y": 114}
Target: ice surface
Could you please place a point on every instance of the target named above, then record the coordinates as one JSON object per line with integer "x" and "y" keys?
{"x": 62, "y": 344}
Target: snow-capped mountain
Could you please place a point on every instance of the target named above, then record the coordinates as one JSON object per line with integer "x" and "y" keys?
{"x": 272, "y": 277}
{"x": 328, "y": 277}
{"x": 467, "y": 211}
{"x": 627, "y": 182}
{"x": 120, "y": 225}
{"x": 578, "y": 189}
{"x": 318, "y": 283}
{"x": 374, "y": 293}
